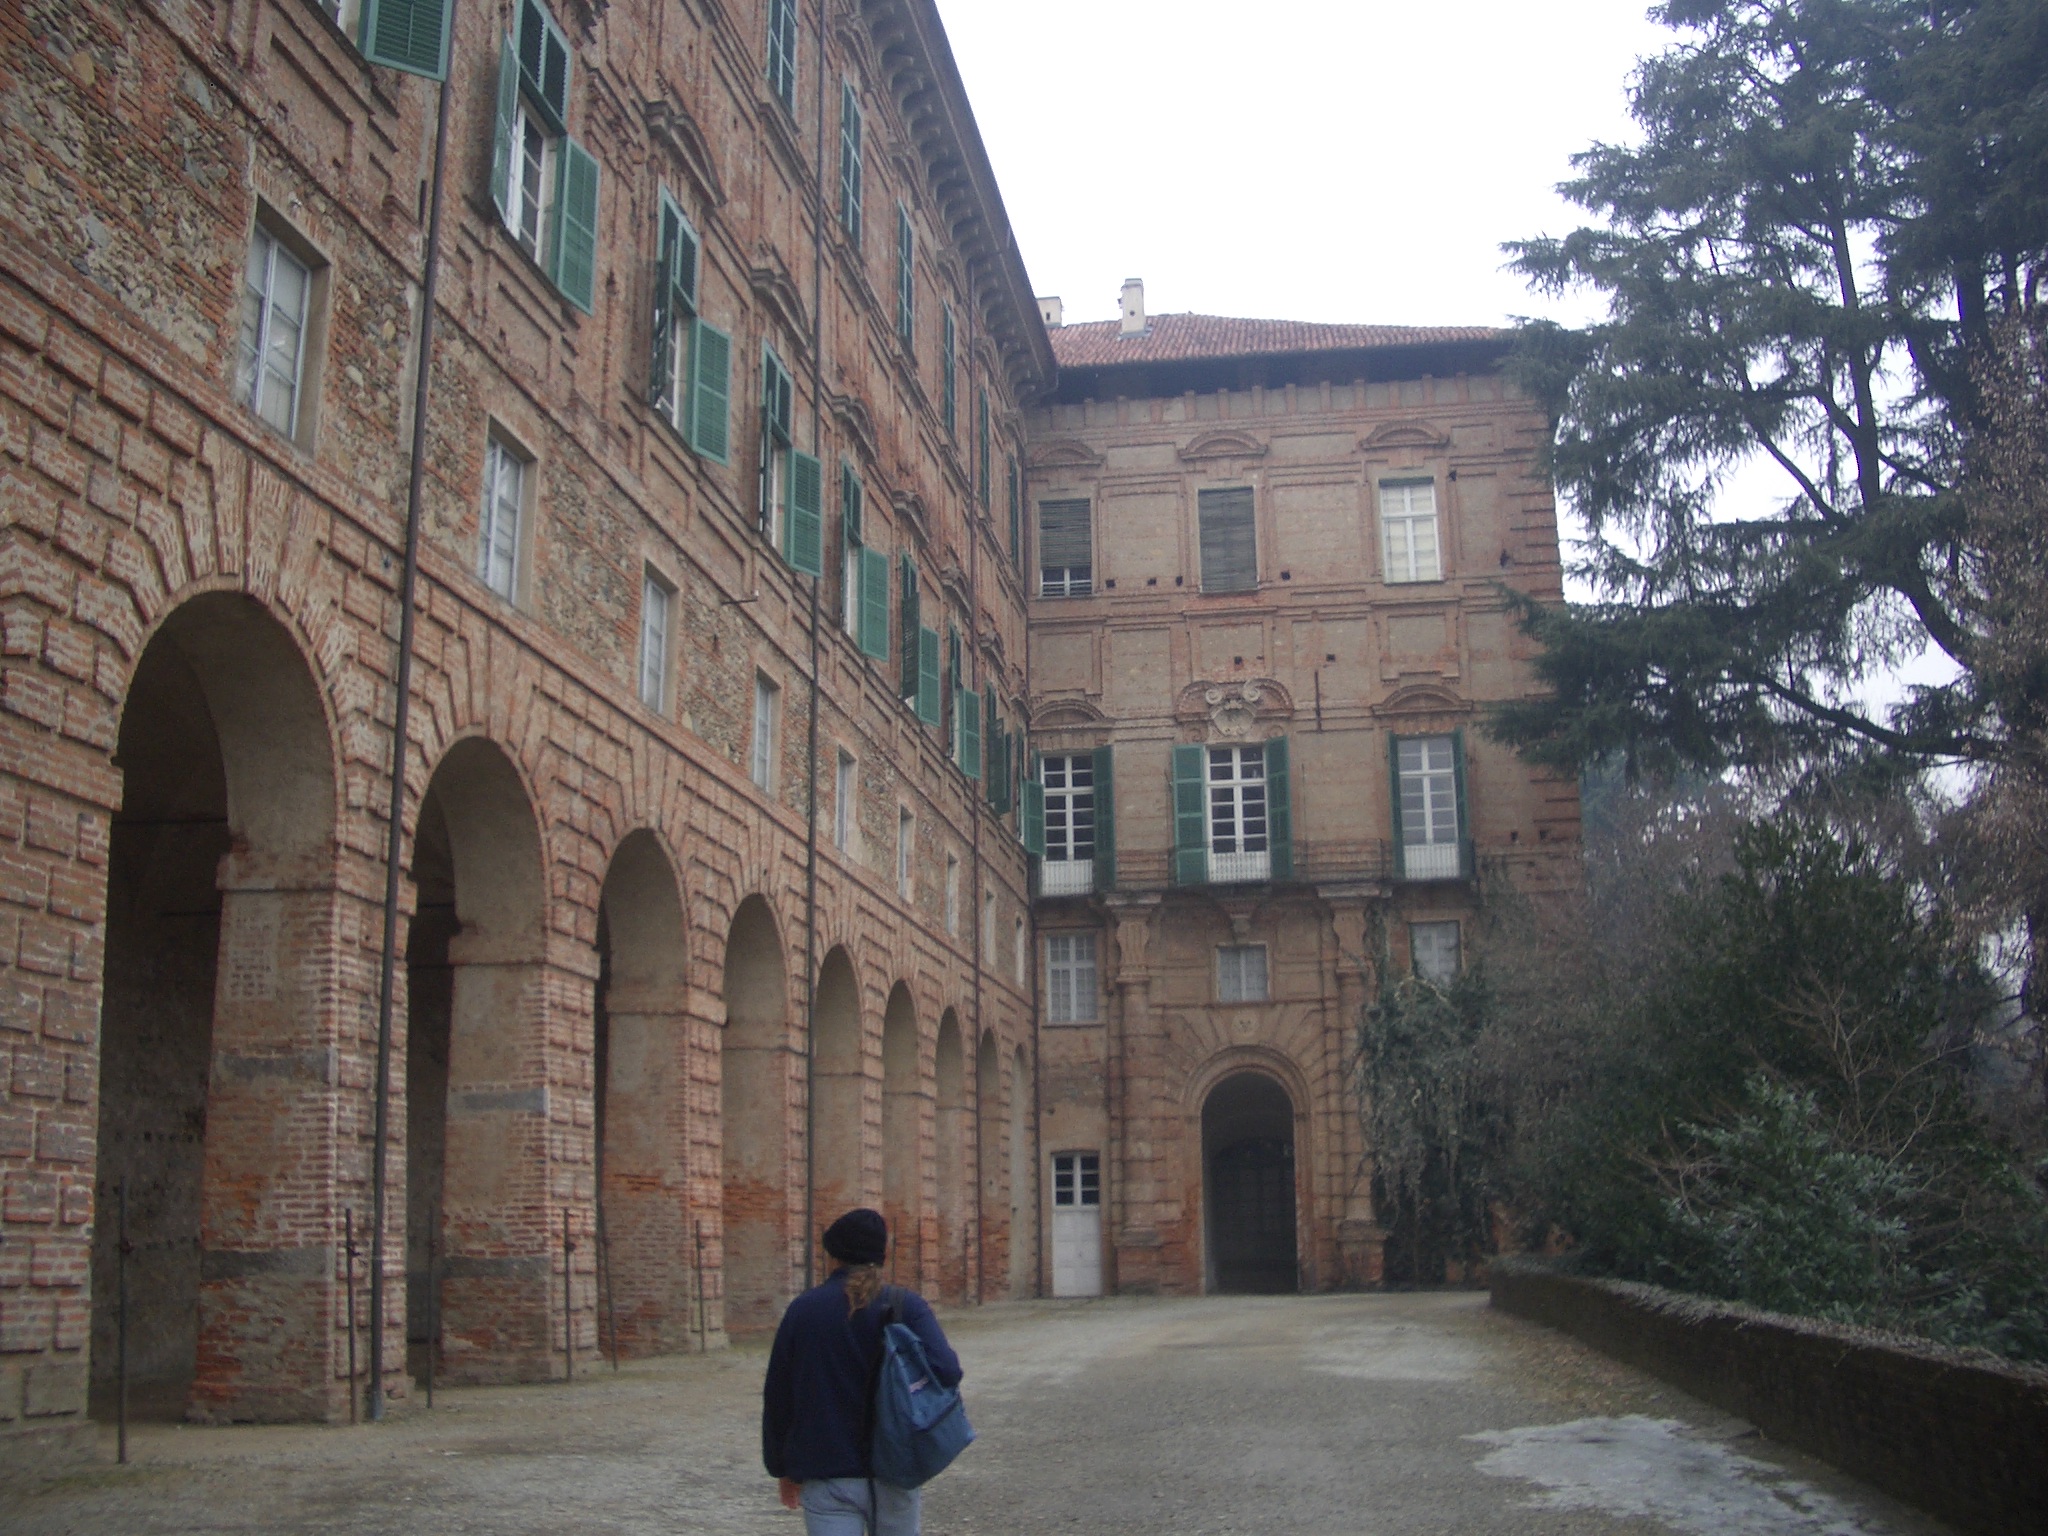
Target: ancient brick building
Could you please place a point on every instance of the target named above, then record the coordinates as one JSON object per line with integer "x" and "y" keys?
{"x": 711, "y": 854}
{"x": 1268, "y": 611}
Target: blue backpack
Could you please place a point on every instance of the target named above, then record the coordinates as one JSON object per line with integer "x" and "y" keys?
{"x": 919, "y": 1426}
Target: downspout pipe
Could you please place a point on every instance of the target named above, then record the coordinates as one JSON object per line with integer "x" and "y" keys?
{"x": 401, "y": 725}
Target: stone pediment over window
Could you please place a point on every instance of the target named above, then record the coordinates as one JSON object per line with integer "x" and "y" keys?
{"x": 774, "y": 287}
{"x": 1405, "y": 434}
{"x": 1223, "y": 444}
{"x": 853, "y": 37}
{"x": 857, "y": 422}
{"x": 671, "y": 126}
{"x": 910, "y": 511}
{"x": 1065, "y": 715}
{"x": 1232, "y": 711}
{"x": 1422, "y": 699}
{"x": 1065, "y": 453}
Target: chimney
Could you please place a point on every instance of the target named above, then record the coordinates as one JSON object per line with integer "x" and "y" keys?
{"x": 1049, "y": 312}
{"x": 1133, "y": 307}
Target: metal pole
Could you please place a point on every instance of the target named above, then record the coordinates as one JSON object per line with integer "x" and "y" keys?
{"x": 702, "y": 1347}
{"x": 568, "y": 1316}
{"x": 604, "y": 1263}
{"x": 401, "y": 722}
{"x": 122, "y": 1249}
{"x": 433, "y": 1300}
{"x": 348, "y": 1246}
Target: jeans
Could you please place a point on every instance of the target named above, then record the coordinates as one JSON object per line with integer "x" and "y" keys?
{"x": 838, "y": 1506}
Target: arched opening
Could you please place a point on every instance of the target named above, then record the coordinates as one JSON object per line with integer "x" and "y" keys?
{"x": 990, "y": 1212}
{"x": 217, "y": 1019}
{"x": 902, "y": 1130}
{"x": 641, "y": 1129}
{"x": 1023, "y": 1186}
{"x": 839, "y": 1109}
{"x": 949, "y": 1156}
{"x": 1248, "y": 1185}
{"x": 754, "y": 1094}
{"x": 479, "y": 1256}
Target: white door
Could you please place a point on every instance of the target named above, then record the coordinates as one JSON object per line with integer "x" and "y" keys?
{"x": 1076, "y": 1224}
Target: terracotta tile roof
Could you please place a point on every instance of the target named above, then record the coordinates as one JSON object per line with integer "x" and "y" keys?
{"x": 1174, "y": 338}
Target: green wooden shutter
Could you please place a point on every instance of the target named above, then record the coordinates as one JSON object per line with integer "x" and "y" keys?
{"x": 1464, "y": 816}
{"x": 906, "y": 284}
{"x": 1034, "y": 809}
{"x": 411, "y": 35}
{"x": 576, "y": 226}
{"x": 970, "y": 733}
{"x": 1190, "y": 816}
{"x": 981, "y": 476}
{"x": 544, "y": 60}
{"x": 1400, "y": 860}
{"x": 849, "y": 161}
{"x": 1105, "y": 818}
{"x": 850, "y": 499}
{"x": 948, "y": 368}
{"x": 804, "y": 534}
{"x": 928, "y": 676}
{"x": 710, "y": 391}
{"x": 1279, "y": 810}
{"x": 912, "y": 620}
{"x": 507, "y": 121}
{"x": 1016, "y": 511}
{"x": 874, "y": 604}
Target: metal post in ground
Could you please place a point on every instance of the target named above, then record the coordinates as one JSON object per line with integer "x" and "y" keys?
{"x": 698, "y": 1229}
{"x": 348, "y": 1248}
{"x": 122, "y": 1249}
{"x": 568, "y": 1313}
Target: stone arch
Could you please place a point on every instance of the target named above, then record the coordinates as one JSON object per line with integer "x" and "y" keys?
{"x": 840, "y": 1089}
{"x": 217, "y": 1006}
{"x": 949, "y": 1155}
{"x": 1250, "y": 1208}
{"x": 479, "y": 1257}
{"x": 902, "y": 1134}
{"x": 1023, "y": 1181}
{"x": 990, "y": 1215}
{"x": 755, "y": 1077}
{"x": 640, "y": 1129}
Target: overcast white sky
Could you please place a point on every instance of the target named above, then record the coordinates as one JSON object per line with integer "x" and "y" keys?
{"x": 1297, "y": 159}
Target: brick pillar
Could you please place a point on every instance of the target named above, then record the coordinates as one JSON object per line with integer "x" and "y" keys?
{"x": 1137, "y": 1078}
{"x": 1360, "y": 1241}
{"x": 645, "y": 1166}
{"x": 270, "y": 1225}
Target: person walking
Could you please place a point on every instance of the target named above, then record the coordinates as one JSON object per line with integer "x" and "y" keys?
{"x": 817, "y": 1404}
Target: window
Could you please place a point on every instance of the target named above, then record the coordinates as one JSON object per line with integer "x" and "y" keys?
{"x": 948, "y": 368}
{"x": 988, "y": 927}
{"x": 1069, "y": 867}
{"x": 1070, "y": 978}
{"x": 1230, "y": 559}
{"x": 1016, "y": 510}
{"x": 277, "y": 306}
{"x": 1428, "y": 809}
{"x": 1408, "y": 529}
{"x": 849, "y": 161}
{"x": 654, "y": 609}
{"x": 1065, "y": 566}
{"x": 544, "y": 183}
{"x": 906, "y": 847}
{"x": 1237, "y": 814}
{"x": 851, "y": 549}
{"x": 1017, "y": 957}
{"x": 981, "y": 446}
{"x": 864, "y": 574}
{"x": 761, "y": 761}
{"x": 504, "y": 513}
{"x": 778, "y": 400}
{"x": 953, "y": 895}
{"x": 844, "y": 788}
{"x": 691, "y": 384}
{"x": 1433, "y": 947}
{"x": 906, "y": 281}
{"x": 1241, "y": 973}
{"x": 782, "y": 51}
{"x": 1077, "y": 1179}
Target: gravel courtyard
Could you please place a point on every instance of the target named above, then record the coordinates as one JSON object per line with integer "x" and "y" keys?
{"x": 1394, "y": 1414}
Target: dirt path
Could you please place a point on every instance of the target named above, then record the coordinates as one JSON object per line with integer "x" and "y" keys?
{"x": 1403, "y": 1415}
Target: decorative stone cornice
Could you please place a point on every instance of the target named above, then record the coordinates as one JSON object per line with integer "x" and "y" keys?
{"x": 673, "y": 129}
{"x": 1405, "y": 434}
{"x": 1223, "y": 443}
{"x": 1232, "y": 710}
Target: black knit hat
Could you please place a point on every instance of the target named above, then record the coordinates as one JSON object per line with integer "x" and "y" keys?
{"x": 861, "y": 1236}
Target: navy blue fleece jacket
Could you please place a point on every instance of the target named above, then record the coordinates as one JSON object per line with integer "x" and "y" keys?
{"x": 814, "y": 1406}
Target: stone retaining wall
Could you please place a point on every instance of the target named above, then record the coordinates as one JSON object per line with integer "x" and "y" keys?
{"x": 1958, "y": 1433}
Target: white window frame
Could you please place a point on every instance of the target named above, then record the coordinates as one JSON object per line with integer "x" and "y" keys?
{"x": 1077, "y": 1180}
{"x": 1072, "y": 987}
{"x": 845, "y": 789}
{"x": 953, "y": 895}
{"x": 1242, "y": 974}
{"x": 906, "y": 850}
{"x": 1430, "y": 834}
{"x": 536, "y": 163}
{"x": 1429, "y": 939}
{"x": 1239, "y": 824}
{"x": 1407, "y": 509}
{"x": 657, "y": 606}
{"x": 1068, "y": 865}
{"x": 761, "y": 752}
{"x": 265, "y": 322}
{"x": 1021, "y": 958}
{"x": 501, "y": 531}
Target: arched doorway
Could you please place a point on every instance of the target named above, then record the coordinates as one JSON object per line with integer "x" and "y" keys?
{"x": 641, "y": 1132}
{"x": 990, "y": 1212}
{"x": 217, "y": 1025}
{"x": 949, "y": 1154}
{"x": 1248, "y": 1185}
{"x": 477, "y": 1199}
{"x": 1023, "y": 1184}
{"x": 754, "y": 1091}
{"x": 902, "y": 1131}
{"x": 839, "y": 1177}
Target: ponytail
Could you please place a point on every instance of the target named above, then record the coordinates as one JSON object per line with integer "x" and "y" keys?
{"x": 863, "y": 1285}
